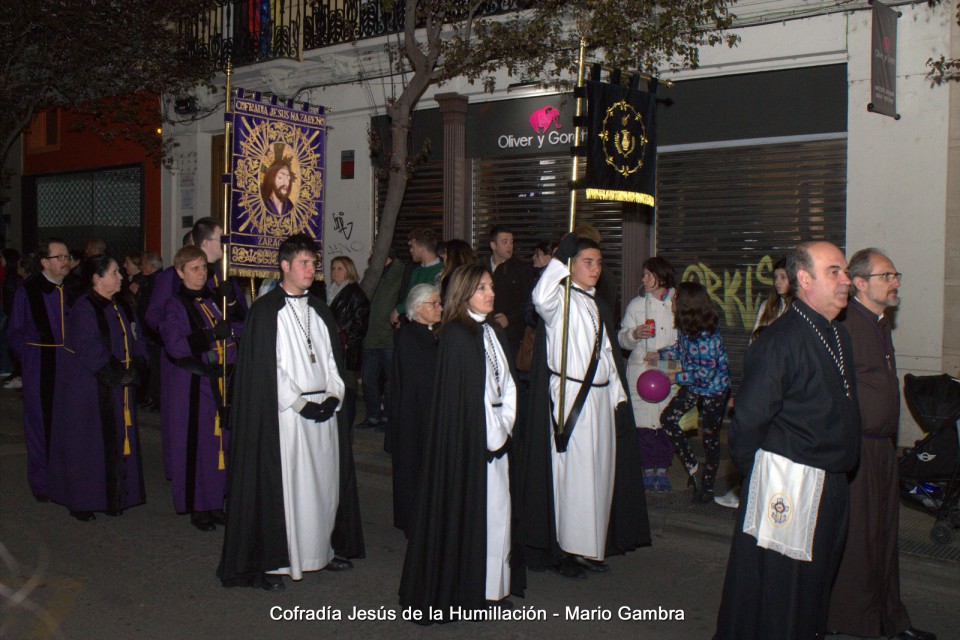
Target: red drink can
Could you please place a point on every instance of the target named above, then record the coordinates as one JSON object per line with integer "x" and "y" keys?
{"x": 653, "y": 327}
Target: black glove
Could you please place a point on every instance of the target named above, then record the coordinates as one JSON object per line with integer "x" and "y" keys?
{"x": 114, "y": 374}
{"x": 220, "y": 331}
{"x": 567, "y": 248}
{"x": 225, "y": 290}
{"x": 130, "y": 378}
{"x": 320, "y": 412}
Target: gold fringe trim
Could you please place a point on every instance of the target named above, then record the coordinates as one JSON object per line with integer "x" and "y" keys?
{"x": 269, "y": 274}
{"x": 621, "y": 196}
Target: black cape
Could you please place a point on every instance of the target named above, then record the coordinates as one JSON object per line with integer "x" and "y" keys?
{"x": 446, "y": 558}
{"x": 255, "y": 540}
{"x": 629, "y": 525}
{"x": 411, "y": 398}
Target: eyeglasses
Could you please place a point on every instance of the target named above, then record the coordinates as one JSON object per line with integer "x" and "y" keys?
{"x": 63, "y": 257}
{"x": 886, "y": 277}
{"x": 435, "y": 305}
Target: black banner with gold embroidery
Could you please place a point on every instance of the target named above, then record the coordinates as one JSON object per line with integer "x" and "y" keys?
{"x": 621, "y": 144}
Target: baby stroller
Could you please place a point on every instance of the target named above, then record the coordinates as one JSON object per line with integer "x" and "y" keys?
{"x": 930, "y": 471}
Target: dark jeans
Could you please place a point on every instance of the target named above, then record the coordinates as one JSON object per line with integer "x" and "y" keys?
{"x": 377, "y": 365}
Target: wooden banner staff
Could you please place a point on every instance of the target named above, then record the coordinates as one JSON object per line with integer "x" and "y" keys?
{"x": 561, "y": 426}
{"x": 225, "y": 261}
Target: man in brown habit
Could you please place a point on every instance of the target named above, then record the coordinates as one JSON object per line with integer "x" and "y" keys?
{"x": 865, "y": 600}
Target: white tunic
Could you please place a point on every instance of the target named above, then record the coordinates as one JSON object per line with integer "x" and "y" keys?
{"x": 583, "y": 475}
{"x": 309, "y": 451}
{"x": 640, "y": 309}
{"x": 500, "y": 411}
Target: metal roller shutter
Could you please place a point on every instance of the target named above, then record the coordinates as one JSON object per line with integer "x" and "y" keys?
{"x": 529, "y": 194}
{"x": 724, "y": 216}
{"x": 422, "y": 205}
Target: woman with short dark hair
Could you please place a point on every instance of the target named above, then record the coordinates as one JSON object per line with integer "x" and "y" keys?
{"x": 648, "y": 326}
{"x": 94, "y": 459}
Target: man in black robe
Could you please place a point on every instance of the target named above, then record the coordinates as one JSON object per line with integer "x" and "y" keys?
{"x": 255, "y": 541}
{"x": 865, "y": 600}
{"x": 797, "y": 400}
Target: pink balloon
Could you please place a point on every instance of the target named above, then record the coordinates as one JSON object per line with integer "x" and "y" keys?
{"x": 653, "y": 385}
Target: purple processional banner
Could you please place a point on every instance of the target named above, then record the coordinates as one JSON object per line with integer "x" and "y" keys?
{"x": 277, "y": 180}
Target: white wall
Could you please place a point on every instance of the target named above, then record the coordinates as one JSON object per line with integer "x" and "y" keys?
{"x": 897, "y": 172}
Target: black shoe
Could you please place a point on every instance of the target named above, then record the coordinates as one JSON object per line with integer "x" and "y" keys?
{"x": 339, "y": 564}
{"x": 41, "y": 497}
{"x": 591, "y": 565}
{"x": 84, "y": 516}
{"x": 218, "y": 516}
{"x": 202, "y": 521}
{"x": 272, "y": 582}
{"x": 113, "y": 513}
{"x": 569, "y": 568}
{"x": 915, "y": 634}
{"x": 504, "y": 603}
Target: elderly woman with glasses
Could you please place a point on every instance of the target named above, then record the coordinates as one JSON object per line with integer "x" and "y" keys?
{"x": 460, "y": 547}
{"x": 411, "y": 394}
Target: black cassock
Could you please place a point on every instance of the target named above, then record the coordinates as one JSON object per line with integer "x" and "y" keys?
{"x": 411, "y": 398}
{"x": 255, "y": 540}
{"x": 791, "y": 402}
{"x": 445, "y": 565}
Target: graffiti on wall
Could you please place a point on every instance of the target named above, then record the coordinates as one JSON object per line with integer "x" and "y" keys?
{"x": 739, "y": 292}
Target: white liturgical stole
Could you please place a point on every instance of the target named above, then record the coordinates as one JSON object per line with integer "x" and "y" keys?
{"x": 782, "y": 505}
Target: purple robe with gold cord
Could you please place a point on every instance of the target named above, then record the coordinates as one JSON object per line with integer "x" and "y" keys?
{"x": 94, "y": 462}
{"x": 196, "y": 439}
{"x": 35, "y": 332}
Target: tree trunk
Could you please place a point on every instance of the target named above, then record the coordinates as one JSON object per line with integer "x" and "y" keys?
{"x": 400, "y": 113}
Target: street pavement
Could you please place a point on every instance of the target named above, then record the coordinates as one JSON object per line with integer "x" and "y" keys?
{"x": 149, "y": 575}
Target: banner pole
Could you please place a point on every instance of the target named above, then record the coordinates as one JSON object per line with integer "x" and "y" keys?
{"x": 225, "y": 261}
{"x": 561, "y": 427}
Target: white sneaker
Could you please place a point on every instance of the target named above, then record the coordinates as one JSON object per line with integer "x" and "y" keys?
{"x": 13, "y": 383}
{"x": 731, "y": 499}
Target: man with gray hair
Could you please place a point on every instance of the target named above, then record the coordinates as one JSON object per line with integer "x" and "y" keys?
{"x": 795, "y": 435}
{"x": 865, "y": 600}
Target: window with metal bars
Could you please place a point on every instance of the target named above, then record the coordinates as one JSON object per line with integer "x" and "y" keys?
{"x": 107, "y": 203}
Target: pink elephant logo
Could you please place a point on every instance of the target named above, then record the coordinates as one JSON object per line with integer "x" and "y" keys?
{"x": 542, "y": 118}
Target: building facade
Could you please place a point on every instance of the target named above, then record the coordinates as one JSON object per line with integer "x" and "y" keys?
{"x": 762, "y": 146}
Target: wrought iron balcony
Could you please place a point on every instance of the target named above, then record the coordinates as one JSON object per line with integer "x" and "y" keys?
{"x": 251, "y": 31}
